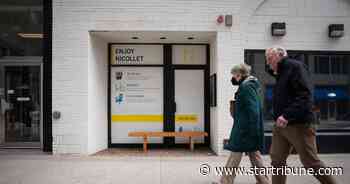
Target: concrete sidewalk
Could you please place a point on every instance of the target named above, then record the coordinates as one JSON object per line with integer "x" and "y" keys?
{"x": 34, "y": 168}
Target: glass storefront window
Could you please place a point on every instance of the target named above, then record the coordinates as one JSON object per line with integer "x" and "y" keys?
{"x": 21, "y": 25}
{"x": 21, "y": 51}
{"x": 330, "y": 78}
{"x": 331, "y": 64}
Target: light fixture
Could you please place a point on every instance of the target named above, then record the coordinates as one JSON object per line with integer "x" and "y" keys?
{"x": 30, "y": 35}
{"x": 228, "y": 20}
{"x": 332, "y": 95}
{"x": 336, "y": 30}
{"x": 278, "y": 29}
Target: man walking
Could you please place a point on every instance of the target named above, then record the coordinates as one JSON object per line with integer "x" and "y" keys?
{"x": 292, "y": 106}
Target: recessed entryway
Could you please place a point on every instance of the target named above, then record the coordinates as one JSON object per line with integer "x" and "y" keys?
{"x": 158, "y": 87}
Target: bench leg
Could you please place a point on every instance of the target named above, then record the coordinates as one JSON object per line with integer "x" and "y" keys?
{"x": 145, "y": 144}
{"x": 191, "y": 144}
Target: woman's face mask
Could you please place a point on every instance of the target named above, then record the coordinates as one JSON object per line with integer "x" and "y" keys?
{"x": 234, "y": 80}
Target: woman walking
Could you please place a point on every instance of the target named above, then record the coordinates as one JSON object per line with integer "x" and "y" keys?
{"x": 247, "y": 134}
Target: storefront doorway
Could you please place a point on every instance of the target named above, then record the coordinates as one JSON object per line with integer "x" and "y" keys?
{"x": 158, "y": 87}
{"x": 21, "y": 105}
{"x": 189, "y": 93}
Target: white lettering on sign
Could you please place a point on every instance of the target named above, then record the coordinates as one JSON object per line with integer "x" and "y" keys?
{"x": 10, "y": 91}
{"x": 23, "y": 99}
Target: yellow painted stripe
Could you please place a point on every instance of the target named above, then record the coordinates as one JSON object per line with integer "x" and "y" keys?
{"x": 148, "y": 118}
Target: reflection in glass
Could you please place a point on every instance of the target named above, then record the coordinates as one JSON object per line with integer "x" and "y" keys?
{"x": 21, "y": 25}
{"x": 22, "y": 118}
{"x": 329, "y": 73}
{"x": 21, "y": 42}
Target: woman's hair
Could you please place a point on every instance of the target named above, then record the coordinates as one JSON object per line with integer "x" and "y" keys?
{"x": 242, "y": 69}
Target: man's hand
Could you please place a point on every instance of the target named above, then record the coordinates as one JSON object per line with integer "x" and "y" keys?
{"x": 281, "y": 122}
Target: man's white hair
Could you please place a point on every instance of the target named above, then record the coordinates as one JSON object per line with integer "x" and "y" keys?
{"x": 242, "y": 69}
{"x": 280, "y": 51}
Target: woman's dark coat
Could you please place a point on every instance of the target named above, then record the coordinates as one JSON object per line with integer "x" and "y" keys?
{"x": 247, "y": 134}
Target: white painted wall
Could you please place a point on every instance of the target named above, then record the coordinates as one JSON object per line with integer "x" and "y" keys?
{"x": 69, "y": 87}
{"x": 307, "y": 26}
{"x": 72, "y": 21}
{"x": 97, "y": 104}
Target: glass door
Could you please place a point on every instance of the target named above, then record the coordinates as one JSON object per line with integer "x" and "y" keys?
{"x": 189, "y": 99}
{"x": 21, "y": 105}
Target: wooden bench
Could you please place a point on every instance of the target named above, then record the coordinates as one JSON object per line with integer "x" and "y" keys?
{"x": 189, "y": 134}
